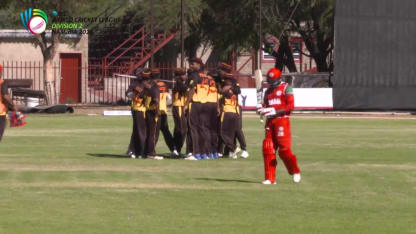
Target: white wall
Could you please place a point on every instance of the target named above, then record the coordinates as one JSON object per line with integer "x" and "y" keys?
{"x": 305, "y": 98}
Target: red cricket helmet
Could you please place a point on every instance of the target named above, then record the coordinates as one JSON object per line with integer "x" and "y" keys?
{"x": 273, "y": 75}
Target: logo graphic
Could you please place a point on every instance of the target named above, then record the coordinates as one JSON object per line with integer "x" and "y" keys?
{"x": 34, "y": 21}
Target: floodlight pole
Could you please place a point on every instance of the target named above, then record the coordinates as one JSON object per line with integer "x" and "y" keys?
{"x": 151, "y": 34}
{"x": 182, "y": 33}
{"x": 260, "y": 36}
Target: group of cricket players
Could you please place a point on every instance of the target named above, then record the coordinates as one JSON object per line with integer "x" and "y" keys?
{"x": 208, "y": 117}
{"x": 205, "y": 110}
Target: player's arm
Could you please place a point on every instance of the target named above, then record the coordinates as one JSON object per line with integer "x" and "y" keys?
{"x": 236, "y": 88}
{"x": 7, "y": 100}
{"x": 290, "y": 100}
{"x": 191, "y": 89}
{"x": 156, "y": 97}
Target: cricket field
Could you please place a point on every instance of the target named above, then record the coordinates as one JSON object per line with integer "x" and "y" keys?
{"x": 69, "y": 174}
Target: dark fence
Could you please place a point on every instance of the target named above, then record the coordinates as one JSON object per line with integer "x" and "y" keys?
{"x": 90, "y": 83}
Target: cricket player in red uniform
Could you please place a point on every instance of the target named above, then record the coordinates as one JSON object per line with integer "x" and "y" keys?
{"x": 278, "y": 103}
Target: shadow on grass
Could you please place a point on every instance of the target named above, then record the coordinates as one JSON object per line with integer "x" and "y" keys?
{"x": 165, "y": 156}
{"x": 228, "y": 180}
{"x": 108, "y": 155}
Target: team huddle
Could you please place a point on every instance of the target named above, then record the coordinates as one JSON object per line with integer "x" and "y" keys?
{"x": 205, "y": 109}
{"x": 208, "y": 117}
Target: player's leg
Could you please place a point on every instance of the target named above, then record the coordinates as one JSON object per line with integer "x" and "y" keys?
{"x": 240, "y": 136}
{"x": 284, "y": 141}
{"x": 195, "y": 129}
{"x": 177, "y": 131}
{"x": 269, "y": 155}
{"x": 131, "y": 150}
{"x": 228, "y": 130}
{"x": 151, "y": 121}
{"x": 2, "y": 125}
{"x": 189, "y": 143}
{"x": 142, "y": 131}
{"x": 164, "y": 127}
{"x": 213, "y": 127}
{"x": 183, "y": 129}
{"x": 204, "y": 140}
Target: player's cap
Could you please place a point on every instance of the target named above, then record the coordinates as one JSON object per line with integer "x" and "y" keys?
{"x": 196, "y": 60}
{"x": 155, "y": 74}
{"x": 273, "y": 74}
{"x": 146, "y": 74}
{"x": 225, "y": 67}
{"x": 180, "y": 71}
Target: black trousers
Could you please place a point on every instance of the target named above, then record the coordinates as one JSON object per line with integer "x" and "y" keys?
{"x": 213, "y": 127}
{"x": 3, "y": 121}
{"x": 181, "y": 127}
{"x": 204, "y": 127}
{"x": 162, "y": 125}
{"x": 138, "y": 135}
{"x": 229, "y": 127}
{"x": 151, "y": 122}
{"x": 240, "y": 134}
{"x": 189, "y": 144}
{"x": 199, "y": 128}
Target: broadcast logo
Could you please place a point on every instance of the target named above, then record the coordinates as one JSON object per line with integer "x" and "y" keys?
{"x": 34, "y": 20}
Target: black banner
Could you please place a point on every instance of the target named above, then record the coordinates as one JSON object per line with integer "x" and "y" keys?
{"x": 375, "y": 55}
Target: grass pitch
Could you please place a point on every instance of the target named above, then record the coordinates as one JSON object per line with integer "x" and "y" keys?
{"x": 68, "y": 174}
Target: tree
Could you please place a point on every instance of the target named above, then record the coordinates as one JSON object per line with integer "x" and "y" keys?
{"x": 313, "y": 20}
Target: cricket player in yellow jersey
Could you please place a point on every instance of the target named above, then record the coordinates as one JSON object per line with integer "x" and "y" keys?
{"x": 162, "y": 122}
{"x": 229, "y": 114}
{"x": 179, "y": 97}
{"x": 203, "y": 111}
{"x": 135, "y": 91}
{"x": 5, "y": 104}
{"x": 223, "y": 70}
{"x": 152, "y": 95}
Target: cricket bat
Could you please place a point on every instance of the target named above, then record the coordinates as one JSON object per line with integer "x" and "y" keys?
{"x": 258, "y": 77}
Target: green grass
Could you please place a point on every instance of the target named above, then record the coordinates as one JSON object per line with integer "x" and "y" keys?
{"x": 66, "y": 174}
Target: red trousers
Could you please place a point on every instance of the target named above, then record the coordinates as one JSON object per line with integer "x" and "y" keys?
{"x": 278, "y": 137}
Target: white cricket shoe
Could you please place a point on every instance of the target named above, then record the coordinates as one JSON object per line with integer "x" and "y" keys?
{"x": 233, "y": 155}
{"x": 237, "y": 150}
{"x": 132, "y": 155}
{"x": 268, "y": 182}
{"x": 220, "y": 155}
{"x": 191, "y": 158}
{"x": 189, "y": 155}
{"x": 175, "y": 153}
{"x": 244, "y": 154}
{"x": 296, "y": 178}
{"x": 155, "y": 157}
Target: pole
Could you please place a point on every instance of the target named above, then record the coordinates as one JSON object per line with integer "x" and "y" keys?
{"x": 182, "y": 34}
{"x": 260, "y": 35}
{"x": 151, "y": 34}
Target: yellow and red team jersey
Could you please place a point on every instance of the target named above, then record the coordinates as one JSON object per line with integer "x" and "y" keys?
{"x": 163, "y": 88}
{"x": 206, "y": 89}
{"x": 137, "y": 103}
{"x": 151, "y": 97}
{"x": 3, "y": 109}
{"x": 230, "y": 102}
{"x": 178, "y": 99}
{"x": 280, "y": 97}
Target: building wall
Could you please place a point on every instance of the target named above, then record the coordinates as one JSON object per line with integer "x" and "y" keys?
{"x": 21, "y": 51}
